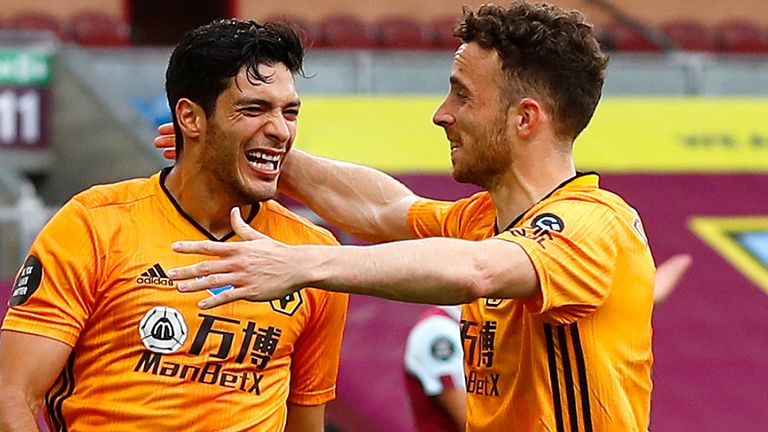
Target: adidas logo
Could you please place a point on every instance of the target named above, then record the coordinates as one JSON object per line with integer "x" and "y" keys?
{"x": 154, "y": 276}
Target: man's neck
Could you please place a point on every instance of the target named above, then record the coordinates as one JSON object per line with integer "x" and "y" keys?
{"x": 202, "y": 199}
{"x": 525, "y": 184}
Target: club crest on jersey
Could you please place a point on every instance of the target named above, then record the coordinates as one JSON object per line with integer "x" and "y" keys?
{"x": 493, "y": 302}
{"x": 442, "y": 348}
{"x": 289, "y": 304}
{"x": 163, "y": 330}
{"x": 27, "y": 281}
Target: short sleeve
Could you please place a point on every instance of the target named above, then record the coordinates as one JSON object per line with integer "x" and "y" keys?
{"x": 315, "y": 364}
{"x": 53, "y": 294}
{"x": 430, "y": 218}
{"x": 433, "y": 354}
{"x": 573, "y": 247}
{"x": 426, "y": 218}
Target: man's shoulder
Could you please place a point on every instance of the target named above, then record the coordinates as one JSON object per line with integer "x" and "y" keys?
{"x": 468, "y": 208}
{"x": 583, "y": 194}
{"x": 119, "y": 193}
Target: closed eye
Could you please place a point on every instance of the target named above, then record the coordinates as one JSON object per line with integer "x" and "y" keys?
{"x": 251, "y": 110}
{"x": 291, "y": 114}
{"x": 459, "y": 89}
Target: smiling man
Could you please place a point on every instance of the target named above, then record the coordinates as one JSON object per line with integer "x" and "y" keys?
{"x": 556, "y": 273}
{"x": 98, "y": 331}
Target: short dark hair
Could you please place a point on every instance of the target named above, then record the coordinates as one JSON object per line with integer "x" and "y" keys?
{"x": 202, "y": 64}
{"x": 546, "y": 52}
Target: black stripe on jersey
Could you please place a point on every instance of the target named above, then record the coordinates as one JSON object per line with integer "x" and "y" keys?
{"x": 568, "y": 363}
{"x": 159, "y": 271}
{"x": 57, "y": 389}
{"x": 152, "y": 272}
{"x": 554, "y": 381}
{"x": 568, "y": 378}
{"x": 61, "y": 384}
{"x": 581, "y": 369}
{"x": 55, "y": 400}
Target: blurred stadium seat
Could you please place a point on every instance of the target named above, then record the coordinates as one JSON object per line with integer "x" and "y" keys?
{"x": 625, "y": 38}
{"x": 606, "y": 38}
{"x": 311, "y": 31}
{"x": 39, "y": 21}
{"x": 442, "y": 32}
{"x": 91, "y": 28}
{"x": 348, "y": 32}
{"x": 737, "y": 36}
{"x": 403, "y": 33}
{"x": 689, "y": 35}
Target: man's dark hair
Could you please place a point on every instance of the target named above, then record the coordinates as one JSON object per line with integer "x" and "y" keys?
{"x": 202, "y": 64}
{"x": 547, "y": 53}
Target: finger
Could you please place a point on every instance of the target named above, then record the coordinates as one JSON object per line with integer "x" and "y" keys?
{"x": 213, "y": 281}
{"x": 674, "y": 268}
{"x": 165, "y": 141}
{"x": 165, "y": 129}
{"x": 201, "y": 269}
{"x": 668, "y": 274}
{"x": 242, "y": 229}
{"x": 169, "y": 154}
{"x": 205, "y": 247}
{"x": 223, "y": 298}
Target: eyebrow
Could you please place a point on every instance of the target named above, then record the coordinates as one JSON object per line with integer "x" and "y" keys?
{"x": 263, "y": 102}
{"x": 457, "y": 81}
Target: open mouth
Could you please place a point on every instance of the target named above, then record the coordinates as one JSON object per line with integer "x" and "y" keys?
{"x": 263, "y": 161}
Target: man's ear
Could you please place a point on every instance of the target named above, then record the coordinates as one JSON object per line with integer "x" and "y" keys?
{"x": 528, "y": 115}
{"x": 191, "y": 118}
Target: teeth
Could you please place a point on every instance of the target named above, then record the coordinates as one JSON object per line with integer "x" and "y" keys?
{"x": 266, "y": 157}
{"x": 264, "y": 165}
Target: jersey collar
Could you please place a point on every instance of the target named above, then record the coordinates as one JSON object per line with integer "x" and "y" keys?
{"x": 581, "y": 179}
{"x": 255, "y": 207}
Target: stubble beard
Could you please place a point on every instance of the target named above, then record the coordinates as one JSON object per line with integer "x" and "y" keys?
{"x": 223, "y": 163}
{"x": 488, "y": 160}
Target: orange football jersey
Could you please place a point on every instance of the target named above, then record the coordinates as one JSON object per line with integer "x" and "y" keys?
{"x": 578, "y": 356}
{"x": 145, "y": 357}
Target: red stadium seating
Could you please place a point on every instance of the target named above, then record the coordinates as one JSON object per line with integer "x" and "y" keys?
{"x": 39, "y": 21}
{"x": 311, "y": 32}
{"x": 606, "y": 38}
{"x": 403, "y": 33}
{"x": 442, "y": 32}
{"x": 690, "y": 35}
{"x": 624, "y": 38}
{"x": 92, "y": 28}
{"x": 740, "y": 37}
{"x": 347, "y": 32}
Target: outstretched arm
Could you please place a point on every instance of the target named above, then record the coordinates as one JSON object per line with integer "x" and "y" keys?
{"x": 433, "y": 271}
{"x": 360, "y": 200}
